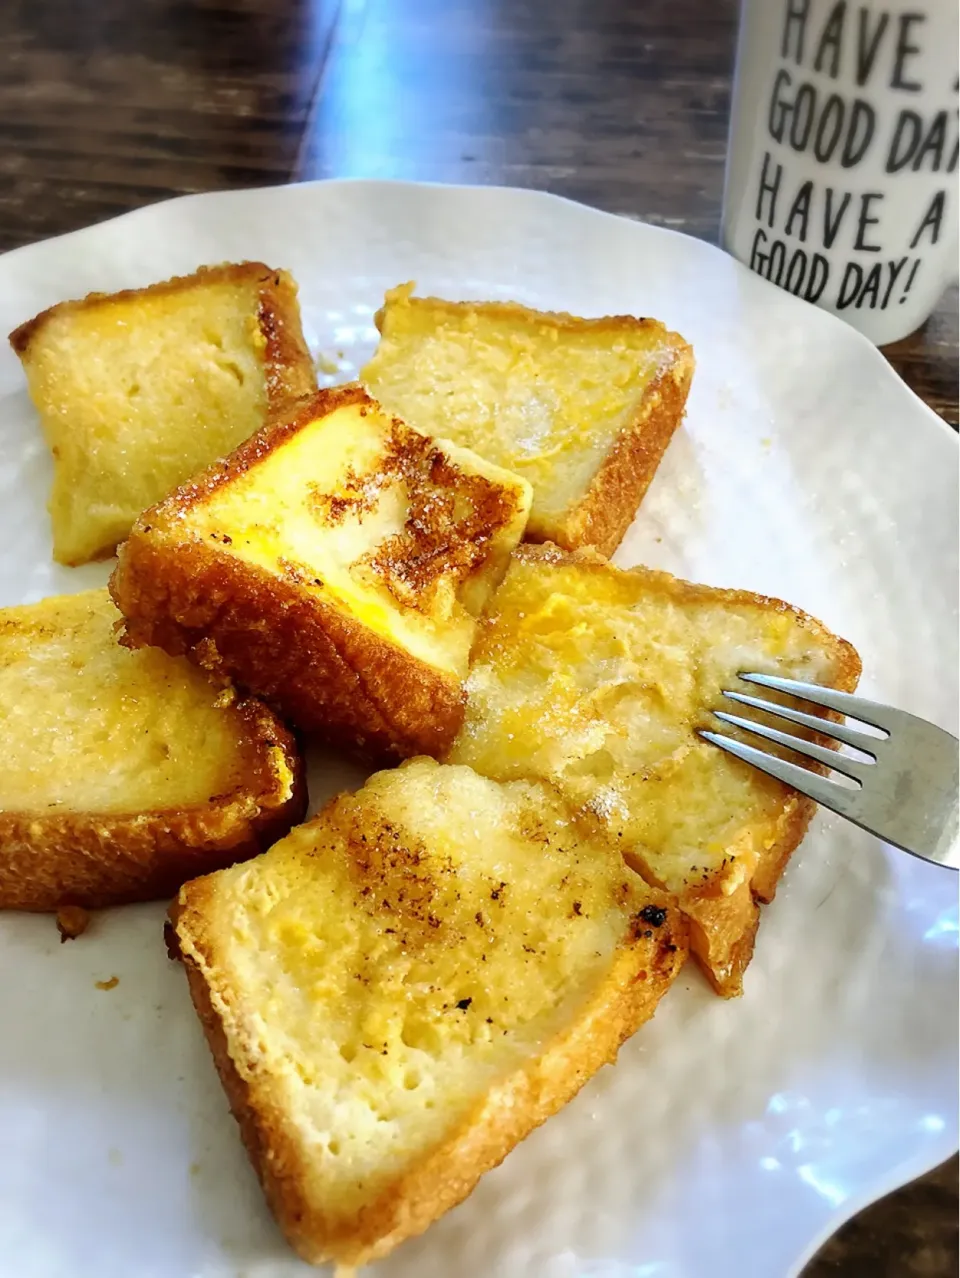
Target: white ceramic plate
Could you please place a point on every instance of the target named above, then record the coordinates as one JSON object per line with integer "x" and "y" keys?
{"x": 730, "y": 1138}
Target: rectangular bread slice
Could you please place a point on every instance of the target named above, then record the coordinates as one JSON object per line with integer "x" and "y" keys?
{"x": 138, "y": 390}
{"x": 598, "y": 679}
{"x": 125, "y": 773}
{"x": 404, "y": 987}
{"x": 335, "y": 565}
{"x": 583, "y": 409}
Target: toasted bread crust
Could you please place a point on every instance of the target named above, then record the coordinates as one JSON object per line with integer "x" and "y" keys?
{"x": 323, "y": 671}
{"x": 723, "y": 926}
{"x": 723, "y": 932}
{"x": 793, "y": 829}
{"x": 616, "y": 491}
{"x": 642, "y": 970}
{"x": 48, "y": 859}
{"x": 516, "y": 310}
{"x": 723, "y": 929}
{"x": 272, "y": 1154}
{"x": 288, "y": 366}
{"x": 319, "y": 668}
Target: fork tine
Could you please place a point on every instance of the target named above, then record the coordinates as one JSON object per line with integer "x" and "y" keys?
{"x": 827, "y": 793}
{"x": 839, "y": 731}
{"x": 870, "y": 712}
{"x": 829, "y": 758}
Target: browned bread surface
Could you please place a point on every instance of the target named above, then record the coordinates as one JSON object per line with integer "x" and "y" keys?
{"x": 582, "y": 408}
{"x": 334, "y": 564}
{"x": 598, "y": 680}
{"x": 126, "y": 772}
{"x": 137, "y": 390}
{"x": 407, "y": 985}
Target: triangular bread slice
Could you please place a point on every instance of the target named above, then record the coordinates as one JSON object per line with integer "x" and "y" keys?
{"x": 138, "y": 390}
{"x": 597, "y": 680}
{"x": 125, "y": 773}
{"x": 404, "y": 987}
{"x": 334, "y": 564}
{"x": 582, "y": 408}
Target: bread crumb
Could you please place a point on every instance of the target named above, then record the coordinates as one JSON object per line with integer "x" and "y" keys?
{"x": 326, "y": 365}
{"x": 72, "y": 921}
{"x": 107, "y": 985}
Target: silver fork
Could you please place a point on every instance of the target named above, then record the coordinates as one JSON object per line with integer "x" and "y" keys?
{"x": 906, "y": 789}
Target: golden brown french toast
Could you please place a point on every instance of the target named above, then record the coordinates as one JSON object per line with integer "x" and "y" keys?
{"x": 334, "y": 564}
{"x": 597, "y": 680}
{"x": 583, "y": 409}
{"x": 125, "y": 773}
{"x": 138, "y": 390}
{"x": 403, "y": 988}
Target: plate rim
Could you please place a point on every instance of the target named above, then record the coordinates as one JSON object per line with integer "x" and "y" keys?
{"x": 924, "y": 1162}
{"x": 535, "y": 194}
{"x": 856, "y": 1203}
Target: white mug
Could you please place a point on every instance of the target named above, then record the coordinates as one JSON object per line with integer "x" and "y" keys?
{"x": 841, "y": 182}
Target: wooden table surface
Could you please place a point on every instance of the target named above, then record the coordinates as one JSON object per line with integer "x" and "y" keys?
{"x": 106, "y": 105}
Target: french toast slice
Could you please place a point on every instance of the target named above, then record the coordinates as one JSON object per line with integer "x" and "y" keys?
{"x": 582, "y": 408}
{"x": 138, "y": 390}
{"x": 403, "y": 988}
{"x": 334, "y": 564}
{"x": 125, "y": 773}
{"x": 597, "y": 680}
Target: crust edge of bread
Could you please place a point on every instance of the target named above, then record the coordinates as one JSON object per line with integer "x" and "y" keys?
{"x": 613, "y": 498}
{"x": 192, "y": 601}
{"x": 97, "y": 860}
{"x": 723, "y": 929}
{"x": 404, "y": 293}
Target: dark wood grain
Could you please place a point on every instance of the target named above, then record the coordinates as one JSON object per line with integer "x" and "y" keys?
{"x": 927, "y": 361}
{"x": 620, "y": 105}
{"x": 106, "y": 105}
{"x": 911, "y": 1234}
